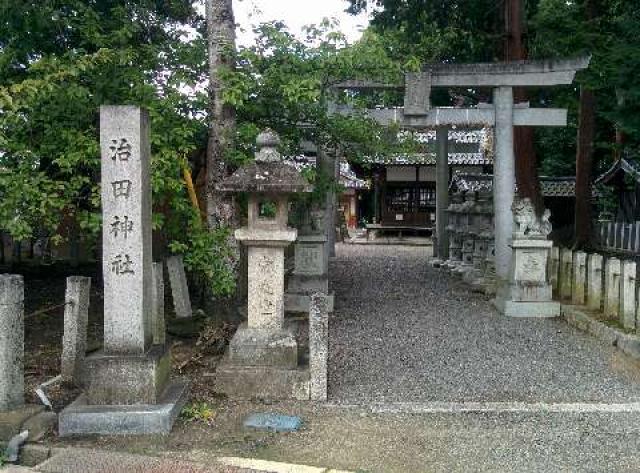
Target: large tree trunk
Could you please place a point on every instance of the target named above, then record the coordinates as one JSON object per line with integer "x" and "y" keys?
{"x": 584, "y": 154}
{"x": 584, "y": 164}
{"x": 222, "y": 120}
{"x": 526, "y": 160}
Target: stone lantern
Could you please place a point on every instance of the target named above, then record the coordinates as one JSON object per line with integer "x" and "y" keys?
{"x": 466, "y": 232}
{"x": 455, "y": 242}
{"x": 264, "y": 347}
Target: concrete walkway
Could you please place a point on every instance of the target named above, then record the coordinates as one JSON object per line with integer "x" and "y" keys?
{"x": 405, "y": 335}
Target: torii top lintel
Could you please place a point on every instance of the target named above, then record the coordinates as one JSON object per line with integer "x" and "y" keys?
{"x": 499, "y": 74}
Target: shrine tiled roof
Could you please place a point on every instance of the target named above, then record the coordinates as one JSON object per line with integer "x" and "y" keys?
{"x": 455, "y": 136}
{"x": 622, "y": 165}
{"x": 429, "y": 159}
{"x": 348, "y": 178}
{"x": 550, "y": 186}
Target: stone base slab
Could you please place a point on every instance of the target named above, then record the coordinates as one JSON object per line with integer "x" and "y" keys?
{"x": 301, "y": 302}
{"x": 127, "y": 379}
{"x": 530, "y": 292}
{"x": 13, "y": 422}
{"x": 263, "y": 347}
{"x": 81, "y": 418}
{"x": 528, "y": 309}
{"x": 262, "y": 382}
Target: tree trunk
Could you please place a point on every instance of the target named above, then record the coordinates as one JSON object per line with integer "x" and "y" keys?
{"x": 526, "y": 160}
{"x": 584, "y": 161}
{"x": 222, "y": 120}
{"x": 584, "y": 154}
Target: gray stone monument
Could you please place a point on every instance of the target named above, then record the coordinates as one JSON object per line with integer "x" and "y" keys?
{"x": 158, "y": 321}
{"x": 579, "y": 277}
{"x": 74, "y": 340}
{"x": 628, "y": 295}
{"x": 318, "y": 346}
{"x": 11, "y": 342}
{"x": 594, "y": 281}
{"x": 14, "y": 414}
{"x": 554, "y": 269}
{"x": 179, "y": 287}
{"x": 529, "y": 292}
{"x": 566, "y": 274}
{"x": 262, "y": 360}
{"x": 612, "y": 288}
{"x": 310, "y": 273}
{"x": 128, "y": 388}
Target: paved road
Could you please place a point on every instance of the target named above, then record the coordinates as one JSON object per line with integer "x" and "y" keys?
{"x": 406, "y": 332}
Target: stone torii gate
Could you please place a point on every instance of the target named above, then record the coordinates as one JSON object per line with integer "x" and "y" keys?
{"x": 503, "y": 115}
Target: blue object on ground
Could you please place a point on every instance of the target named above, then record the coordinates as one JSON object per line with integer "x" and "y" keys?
{"x": 273, "y": 422}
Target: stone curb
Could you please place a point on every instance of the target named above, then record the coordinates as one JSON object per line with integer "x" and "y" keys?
{"x": 627, "y": 343}
{"x": 274, "y": 467}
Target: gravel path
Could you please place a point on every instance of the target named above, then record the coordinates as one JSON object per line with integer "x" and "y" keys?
{"x": 406, "y": 332}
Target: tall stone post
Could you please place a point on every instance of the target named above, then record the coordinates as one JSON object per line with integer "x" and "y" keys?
{"x": 594, "y": 281}
{"x": 566, "y": 273}
{"x": 442, "y": 193}
{"x": 628, "y": 295}
{"x": 158, "y": 321}
{"x": 554, "y": 269}
{"x": 318, "y": 346}
{"x": 76, "y": 318}
{"x": 126, "y": 229}
{"x": 579, "y": 277}
{"x": 179, "y": 287}
{"x": 612, "y": 288}
{"x": 328, "y": 165}
{"x": 130, "y": 370}
{"x": 504, "y": 179}
{"x": 11, "y": 342}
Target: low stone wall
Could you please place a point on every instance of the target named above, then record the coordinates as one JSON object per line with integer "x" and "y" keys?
{"x": 604, "y": 284}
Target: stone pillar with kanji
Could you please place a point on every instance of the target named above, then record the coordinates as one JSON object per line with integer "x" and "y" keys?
{"x": 127, "y": 385}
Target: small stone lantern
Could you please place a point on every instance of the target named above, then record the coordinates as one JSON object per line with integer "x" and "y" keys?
{"x": 264, "y": 341}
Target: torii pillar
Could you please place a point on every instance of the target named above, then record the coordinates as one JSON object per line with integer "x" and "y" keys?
{"x": 504, "y": 179}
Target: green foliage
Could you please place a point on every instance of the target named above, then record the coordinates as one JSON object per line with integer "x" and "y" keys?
{"x": 472, "y": 31}
{"x": 198, "y": 411}
{"x": 59, "y": 61}
{"x": 285, "y": 83}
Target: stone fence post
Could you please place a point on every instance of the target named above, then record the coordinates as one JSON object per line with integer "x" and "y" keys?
{"x": 11, "y": 342}
{"x": 628, "y": 294}
{"x": 158, "y": 325}
{"x": 579, "y": 277}
{"x": 566, "y": 263}
{"x": 74, "y": 339}
{"x": 318, "y": 345}
{"x": 554, "y": 267}
{"x": 612, "y": 288}
{"x": 594, "y": 281}
{"x": 179, "y": 287}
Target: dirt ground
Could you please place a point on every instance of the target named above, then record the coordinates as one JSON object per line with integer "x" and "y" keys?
{"x": 196, "y": 345}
